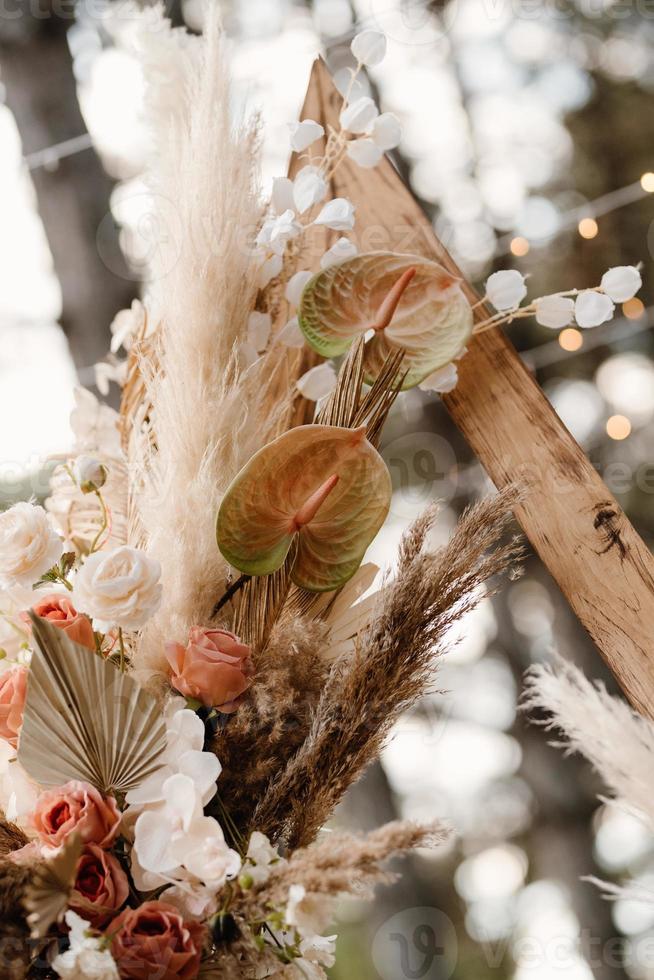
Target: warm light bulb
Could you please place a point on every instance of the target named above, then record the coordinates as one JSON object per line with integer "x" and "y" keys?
{"x": 647, "y": 182}
{"x": 588, "y": 228}
{"x": 570, "y": 339}
{"x": 634, "y": 308}
{"x": 618, "y": 427}
{"x": 519, "y": 246}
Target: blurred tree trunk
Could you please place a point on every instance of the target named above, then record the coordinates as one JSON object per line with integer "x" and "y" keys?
{"x": 73, "y": 196}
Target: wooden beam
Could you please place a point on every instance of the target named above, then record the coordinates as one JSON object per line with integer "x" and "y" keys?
{"x": 600, "y": 563}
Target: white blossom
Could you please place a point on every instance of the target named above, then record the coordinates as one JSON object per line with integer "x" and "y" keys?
{"x": 269, "y": 269}
{"x": 126, "y": 326}
{"x": 340, "y": 251}
{"x": 259, "y": 327}
{"x": 94, "y": 425}
{"x": 318, "y": 382}
{"x": 110, "y": 370}
{"x": 621, "y": 283}
{"x": 319, "y": 949}
{"x": 554, "y": 311}
{"x": 282, "y": 195}
{"x": 369, "y": 48}
{"x": 304, "y": 133}
{"x": 18, "y": 794}
{"x": 359, "y": 115}
{"x": 309, "y": 188}
{"x": 260, "y": 856}
{"x": 118, "y": 588}
{"x": 29, "y": 545}
{"x": 506, "y": 289}
{"x": 87, "y": 959}
{"x": 295, "y": 286}
{"x": 593, "y": 308}
{"x": 337, "y": 214}
{"x": 276, "y": 232}
{"x": 386, "y": 131}
{"x": 291, "y": 335}
{"x": 443, "y": 380}
{"x": 364, "y": 152}
{"x": 309, "y": 912}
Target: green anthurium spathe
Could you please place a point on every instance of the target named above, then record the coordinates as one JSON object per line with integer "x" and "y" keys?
{"x": 402, "y": 301}
{"x": 323, "y": 485}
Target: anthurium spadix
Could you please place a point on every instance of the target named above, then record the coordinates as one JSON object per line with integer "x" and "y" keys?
{"x": 323, "y": 485}
{"x": 403, "y": 301}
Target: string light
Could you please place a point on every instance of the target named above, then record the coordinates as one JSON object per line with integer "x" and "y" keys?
{"x": 519, "y": 246}
{"x": 634, "y": 308}
{"x": 618, "y": 427}
{"x": 647, "y": 182}
{"x": 588, "y": 228}
{"x": 571, "y": 339}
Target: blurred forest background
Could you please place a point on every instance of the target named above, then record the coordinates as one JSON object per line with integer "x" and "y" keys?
{"x": 529, "y": 138}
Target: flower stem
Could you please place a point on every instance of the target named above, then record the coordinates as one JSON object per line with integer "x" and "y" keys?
{"x": 104, "y": 524}
{"x": 121, "y": 647}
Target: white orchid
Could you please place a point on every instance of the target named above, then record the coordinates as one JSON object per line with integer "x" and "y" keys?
{"x": 183, "y": 756}
{"x": 276, "y": 232}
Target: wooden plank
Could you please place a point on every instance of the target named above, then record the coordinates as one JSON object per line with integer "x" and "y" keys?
{"x": 600, "y": 563}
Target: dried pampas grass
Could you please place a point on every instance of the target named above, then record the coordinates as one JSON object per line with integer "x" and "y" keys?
{"x": 617, "y": 741}
{"x": 393, "y": 666}
{"x": 207, "y": 413}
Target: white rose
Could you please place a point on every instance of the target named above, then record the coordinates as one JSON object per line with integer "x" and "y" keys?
{"x": 90, "y": 473}
{"x": 118, "y": 588}
{"x": 29, "y": 545}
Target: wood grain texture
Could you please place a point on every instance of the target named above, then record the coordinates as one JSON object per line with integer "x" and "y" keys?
{"x": 600, "y": 563}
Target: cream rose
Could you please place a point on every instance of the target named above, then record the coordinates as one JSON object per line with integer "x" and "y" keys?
{"x": 29, "y": 545}
{"x": 118, "y": 588}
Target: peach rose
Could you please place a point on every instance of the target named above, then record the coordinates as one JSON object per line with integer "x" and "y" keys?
{"x": 59, "y": 610}
{"x": 215, "y": 668}
{"x": 101, "y": 886}
{"x": 13, "y": 691}
{"x": 155, "y": 941}
{"x": 80, "y": 807}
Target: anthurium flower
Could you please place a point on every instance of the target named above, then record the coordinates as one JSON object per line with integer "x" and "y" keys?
{"x": 325, "y": 487}
{"x": 406, "y": 301}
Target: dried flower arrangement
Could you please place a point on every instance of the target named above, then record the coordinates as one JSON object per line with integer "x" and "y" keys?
{"x": 206, "y": 666}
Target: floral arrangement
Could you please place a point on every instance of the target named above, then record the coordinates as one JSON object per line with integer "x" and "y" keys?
{"x": 197, "y": 662}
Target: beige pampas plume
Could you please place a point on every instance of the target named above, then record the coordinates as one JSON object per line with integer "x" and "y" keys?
{"x": 617, "y": 741}
{"x": 207, "y": 412}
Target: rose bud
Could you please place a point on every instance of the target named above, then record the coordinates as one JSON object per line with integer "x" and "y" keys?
{"x": 76, "y": 807}
{"x": 101, "y": 886}
{"x": 215, "y": 668}
{"x": 155, "y": 941}
{"x": 89, "y": 473}
{"x": 58, "y": 609}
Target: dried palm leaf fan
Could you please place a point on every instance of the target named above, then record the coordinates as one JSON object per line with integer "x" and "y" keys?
{"x": 47, "y": 894}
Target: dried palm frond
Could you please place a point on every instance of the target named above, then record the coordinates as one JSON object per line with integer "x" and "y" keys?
{"x": 46, "y": 896}
{"x": 12, "y": 838}
{"x": 84, "y": 719}
{"x": 393, "y": 667}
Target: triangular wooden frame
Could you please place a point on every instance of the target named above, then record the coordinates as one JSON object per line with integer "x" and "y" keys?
{"x": 573, "y": 522}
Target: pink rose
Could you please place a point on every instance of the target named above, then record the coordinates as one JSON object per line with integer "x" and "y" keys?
{"x": 80, "y": 807}
{"x": 215, "y": 668}
{"x": 59, "y": 610}
{"x": 13, "y": 691}
{"x": 155, "y": 941}
{"x": 101, "y": 886}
